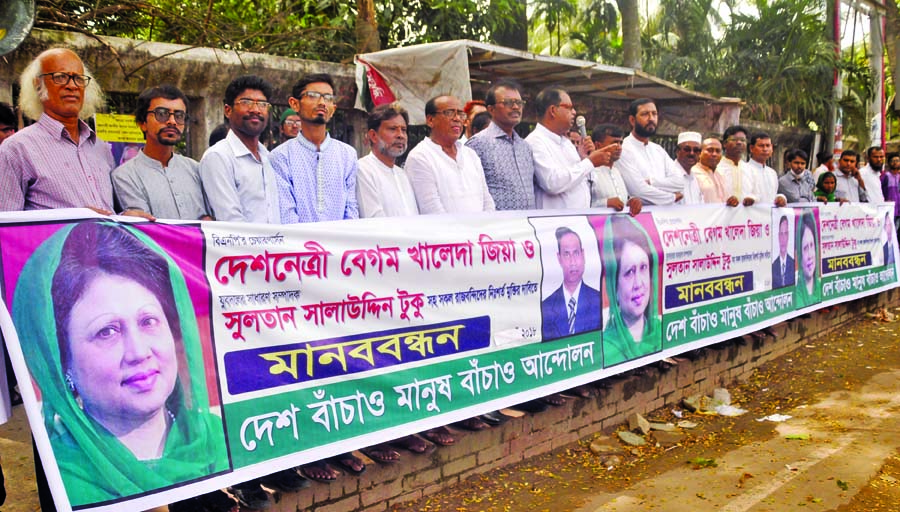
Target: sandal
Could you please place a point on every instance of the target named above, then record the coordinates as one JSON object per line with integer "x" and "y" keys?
{"x": 474, "y": 424}
{"x": 440, "y": 436}
{"x": 555, "y": 400}
{"x": 381, "y": 453}
{"x": 319, "y": 471}
{"x": 583, "y": 391}
{"x": 349, "y": 463}
{"x": 414, "y": 444}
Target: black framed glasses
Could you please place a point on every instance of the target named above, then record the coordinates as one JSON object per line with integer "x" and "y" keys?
{"x": 316, "y": 96}
{"x": 163, "y": 114}
{"x": 247, "y": 103}
{"x": 60, "y": 78}
{"x": 688, "y": 149}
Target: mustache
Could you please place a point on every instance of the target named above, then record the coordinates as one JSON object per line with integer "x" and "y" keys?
{"x": 169, "y": 128}
{"x": 253, "y": 116}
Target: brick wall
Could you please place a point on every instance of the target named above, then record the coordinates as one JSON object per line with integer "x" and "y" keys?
{"x": 477, "y": 452}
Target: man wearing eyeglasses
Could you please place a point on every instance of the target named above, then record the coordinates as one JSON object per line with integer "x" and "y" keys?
{"x": 646, "y": 167}
{"x": 290, "y": 125}
{"x": 237, "y": 178}
{"x": 687, "y": 153}
{"x": 505, "y": 156}
{"x": 734, "y": 170}
{"x": 561, "y": 174}
{"x": 447, "y": 176}
{"x": 316, "y": 173}
{"x": 159, "y": 181}
{"x": 58, "y": 162}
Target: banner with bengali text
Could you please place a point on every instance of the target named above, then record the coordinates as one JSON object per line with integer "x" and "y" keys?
{"x": 269, "y": 346}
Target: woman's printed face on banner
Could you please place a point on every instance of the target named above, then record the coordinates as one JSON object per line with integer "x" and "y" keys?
{"x": 633, "y": 286}
{"x": 121, "y": 351}
{"x": 808, "y": 253}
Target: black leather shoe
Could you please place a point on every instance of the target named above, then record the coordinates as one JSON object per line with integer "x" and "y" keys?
{"x": 251, "y": 495}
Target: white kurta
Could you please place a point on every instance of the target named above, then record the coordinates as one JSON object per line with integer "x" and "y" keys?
{"x": 445, "y": 185}
{"x": 383, "y": 191}
{"x": 649, "y": 172}
{"x": 738, "y": 179}
{"x": 765, "y": 182}
{"x": 560, "y": 174}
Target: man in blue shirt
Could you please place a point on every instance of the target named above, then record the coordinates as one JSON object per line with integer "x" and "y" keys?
{"x": 316, "y": 174}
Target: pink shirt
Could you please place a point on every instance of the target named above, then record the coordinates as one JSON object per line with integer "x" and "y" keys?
{"x": 42, "y": 168}
{"x": 712, "y": 184}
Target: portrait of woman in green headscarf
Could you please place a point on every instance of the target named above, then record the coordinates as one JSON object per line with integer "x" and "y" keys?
{"x": 632, "y": 281}
{"x": 113, "y": 345}
{"x": 807, "y": 291}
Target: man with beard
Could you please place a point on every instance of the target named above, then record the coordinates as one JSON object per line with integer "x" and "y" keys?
{"x": 505, "y": 156}
{"x": 871, "y": 174}
{"x": 738, "y": 177}
{"x": 890, "y": 185}
{"x": 316, "y": 174}
{"x": 561, "y": 174}
{"x": 382, "y": 187}
{"x": 648, "y": 171}
{"x": 687, "y": 153}
{"x": 158, "y": 181}
{"x": 446, "y": 175}
{"x": 238, "y": 181}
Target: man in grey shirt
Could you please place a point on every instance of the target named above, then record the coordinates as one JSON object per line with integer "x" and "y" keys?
{"x": 158, "y": 181}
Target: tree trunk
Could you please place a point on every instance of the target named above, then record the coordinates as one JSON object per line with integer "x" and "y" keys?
{"x": 366, "y": 27}
{"x": 631, "y": 33}
{"x": 892, "y": 42}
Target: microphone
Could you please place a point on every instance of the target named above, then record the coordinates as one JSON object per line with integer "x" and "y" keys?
{"x": 579, "y": 122}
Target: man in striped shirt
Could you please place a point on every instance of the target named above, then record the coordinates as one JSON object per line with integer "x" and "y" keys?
{"x": 58, "y": 162}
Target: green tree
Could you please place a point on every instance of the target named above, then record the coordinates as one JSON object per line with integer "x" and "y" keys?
{"x": 597, "y": 33}
{"x": 552, "y": 16}
{"x": 780, "y": 61}
{"x": 679, "y": 45}
{"x": 311, "y": 29}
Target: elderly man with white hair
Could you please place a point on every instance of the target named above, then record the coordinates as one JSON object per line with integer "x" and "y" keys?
{"x": 58, "y": 162}
{"x": 687, "y": 153}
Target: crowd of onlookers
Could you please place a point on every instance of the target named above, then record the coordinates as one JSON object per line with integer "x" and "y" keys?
{"x": 472, "y": 160}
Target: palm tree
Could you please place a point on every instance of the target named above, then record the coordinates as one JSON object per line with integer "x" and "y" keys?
{"x": 552, "y": 15}
{"x": 598, "y": 33}
{"x": 780, "y": 61}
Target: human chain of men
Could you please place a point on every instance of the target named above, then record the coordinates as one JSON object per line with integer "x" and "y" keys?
{"x": 473, "y": 160}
